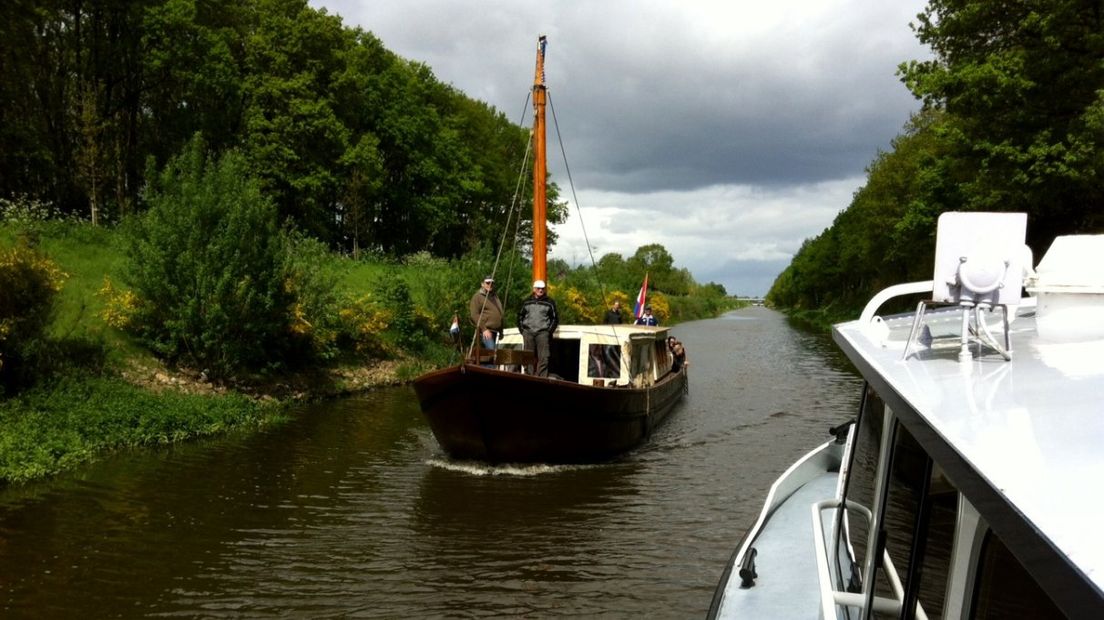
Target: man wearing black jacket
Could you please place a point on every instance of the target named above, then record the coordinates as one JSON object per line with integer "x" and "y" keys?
{"x": 613, "y": 316}
{"x": 537, "y": 321}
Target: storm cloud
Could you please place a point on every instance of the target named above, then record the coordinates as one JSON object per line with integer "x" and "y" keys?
{"x": 727, "y": 131}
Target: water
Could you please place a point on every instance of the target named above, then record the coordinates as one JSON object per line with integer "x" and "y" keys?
{"x": 352, "y": 511}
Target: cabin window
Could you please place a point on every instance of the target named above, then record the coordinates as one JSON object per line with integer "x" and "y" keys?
{"x": 642, "y": 367}
{"x": 564, "y": 359}
{"x": 919, "y": 515}
{"x": 604, "y": 361}
{"x": 918, "y": 538}
{"x": 664, "y": 359}
{"x": 938, "y": 546}
{"x": 855, "y": 526}
{"x": 1005, "y": 589}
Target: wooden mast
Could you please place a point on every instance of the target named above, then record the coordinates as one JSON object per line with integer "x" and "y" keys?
{"x": 540, "y": 169}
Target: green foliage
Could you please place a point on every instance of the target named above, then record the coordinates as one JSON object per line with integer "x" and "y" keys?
{"x": 1021, "y": 84}
{"x": 584, "y": 293}
{"x": 30, "y": 283}
{"x": 1012, "y": 121}
{"x": 208, "y": 265}
{"x": 311, "y": 280}
{"x": 48, "y": 429}
{"x": 395, "y": 295}
{"x": 356, "y": 146}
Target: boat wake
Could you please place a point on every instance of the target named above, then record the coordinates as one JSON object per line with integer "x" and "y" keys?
{"x": 476, "y": 468}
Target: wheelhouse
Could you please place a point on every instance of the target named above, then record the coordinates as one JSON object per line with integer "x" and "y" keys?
{"x": 599, "y": 355}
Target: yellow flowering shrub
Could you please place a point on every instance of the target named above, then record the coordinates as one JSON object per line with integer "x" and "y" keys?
{"x": 578, "y": 306}
{"x": 29, "y": 282}
{"x": 120, "y": 306}
{"x": 300, "y": 326}
{"x": 364, "y": 322}
{"x": 661, "y": 308}
{"x": 622, "y": 297}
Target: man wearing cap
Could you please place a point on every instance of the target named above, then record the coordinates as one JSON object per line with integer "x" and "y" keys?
{"x": 537, "y": 321}
{"x": 486, "y": 313}
{"x": 647, "y": 318}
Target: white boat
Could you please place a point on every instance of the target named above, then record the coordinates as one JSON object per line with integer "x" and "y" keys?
{"x": 969, "y": 483}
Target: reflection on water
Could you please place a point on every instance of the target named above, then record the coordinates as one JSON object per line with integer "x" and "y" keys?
{"x": 351, "y": 510}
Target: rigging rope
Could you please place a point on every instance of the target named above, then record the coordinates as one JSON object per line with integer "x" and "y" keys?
{"x": 515, "y": 209}
{"x": 574, "y": 197}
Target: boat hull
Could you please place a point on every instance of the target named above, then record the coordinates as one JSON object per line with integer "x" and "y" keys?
{"x": 496, "y": 416}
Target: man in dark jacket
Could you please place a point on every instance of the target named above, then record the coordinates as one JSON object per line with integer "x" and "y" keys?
{"x": 613, "y": 316}
{"x": 537, "y": 321}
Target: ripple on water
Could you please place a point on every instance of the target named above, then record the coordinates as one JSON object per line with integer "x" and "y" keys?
{"x": 351, "y": 511}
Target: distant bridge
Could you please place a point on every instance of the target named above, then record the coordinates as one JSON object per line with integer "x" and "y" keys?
{"x": 755, "y": 301}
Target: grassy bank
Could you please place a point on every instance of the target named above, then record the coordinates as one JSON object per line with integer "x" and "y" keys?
{"x": 54, "y": 426}
{"x": 97, "y": 387}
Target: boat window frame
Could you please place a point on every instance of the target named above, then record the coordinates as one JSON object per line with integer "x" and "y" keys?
{"x": 877, "y": 564}
{"x": 606, "y": 350}
{"x": 988, "y": 567}
{"x": 641, "y": 362}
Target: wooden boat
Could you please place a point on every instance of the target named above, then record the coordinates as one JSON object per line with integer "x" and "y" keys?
{"x": 964, "y": 485}
{"x": 609, "y": 386}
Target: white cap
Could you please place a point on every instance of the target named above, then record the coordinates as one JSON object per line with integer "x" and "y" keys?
{"x": 538, "y": 284}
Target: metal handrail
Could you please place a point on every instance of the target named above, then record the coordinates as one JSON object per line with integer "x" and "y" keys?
{"x": 829, "y": 596}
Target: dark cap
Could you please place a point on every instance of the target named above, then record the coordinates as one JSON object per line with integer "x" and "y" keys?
{"x": 488, "y": 279}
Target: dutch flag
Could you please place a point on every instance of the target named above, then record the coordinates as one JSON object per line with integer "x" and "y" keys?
{"x": 641, "y": 299}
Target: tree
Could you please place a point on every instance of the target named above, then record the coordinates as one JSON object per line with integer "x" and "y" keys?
{"x": 293, "y": 136}
{"x": 1013, "y": 120}
{"x": 208, "y": 265}
{"x": 657, "y": 262}
{"x": 1023, "y": 88}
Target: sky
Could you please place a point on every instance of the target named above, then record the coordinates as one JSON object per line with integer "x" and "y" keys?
{"x": 728, "y": 131}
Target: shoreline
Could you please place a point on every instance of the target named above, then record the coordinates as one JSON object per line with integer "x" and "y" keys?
{"x": 79, "y": 418}
{"x": 335, "y": 382}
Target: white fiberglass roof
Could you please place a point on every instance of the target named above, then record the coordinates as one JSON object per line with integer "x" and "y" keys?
{"x": 1032, "y": 427}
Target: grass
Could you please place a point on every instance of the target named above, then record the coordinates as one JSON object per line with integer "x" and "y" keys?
{"x": 81, "y": 406}
{"x": 50, "y": 428}
{"x": 84, "y": 405}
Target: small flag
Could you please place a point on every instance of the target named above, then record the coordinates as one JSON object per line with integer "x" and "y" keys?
{"x": 641, "y": 299}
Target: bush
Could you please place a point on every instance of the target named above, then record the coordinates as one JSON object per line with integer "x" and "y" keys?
{"x": 30, "y": 282}
{"x": 409, "y": 326}
{"x": 208, "y": 263}
{"x": 363, "y": 322}
{"x": 316, "y": 322}
{"x": 47, "y": 429}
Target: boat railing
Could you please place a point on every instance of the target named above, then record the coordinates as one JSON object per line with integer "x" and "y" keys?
{"x": 797, "y": 475}
{"x": 830, "y": 597}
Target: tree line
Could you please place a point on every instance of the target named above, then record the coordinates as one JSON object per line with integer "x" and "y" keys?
{"x": 357, "y": 147}
{"x": 1012, "y": 120}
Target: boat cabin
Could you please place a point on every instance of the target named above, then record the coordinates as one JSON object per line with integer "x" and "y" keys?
{"x": 967, "y": 484}
{"x": 598, "y": 355}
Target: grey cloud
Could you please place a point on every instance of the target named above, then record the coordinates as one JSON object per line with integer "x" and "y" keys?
{"x": 741, "y": 127}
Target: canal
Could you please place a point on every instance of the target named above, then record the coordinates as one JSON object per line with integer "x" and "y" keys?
{"x": 350, "y": 510}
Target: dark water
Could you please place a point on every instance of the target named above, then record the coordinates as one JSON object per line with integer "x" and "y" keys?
{"x": 351, "y": 511}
